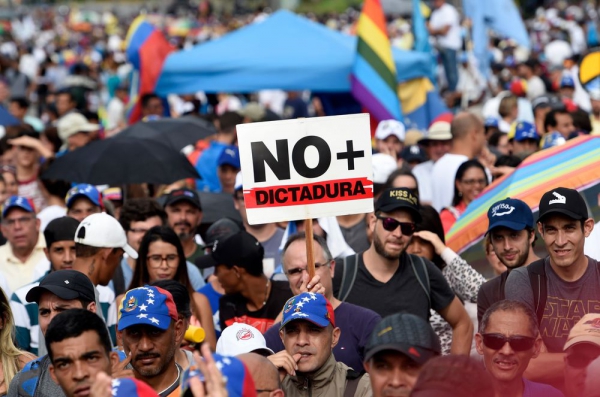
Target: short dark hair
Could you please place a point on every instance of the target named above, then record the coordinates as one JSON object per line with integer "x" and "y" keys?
{"x": 508, "y": 160}
{"x": 146, "y": 98}
{"x": 139, "y": 210}
{"x": 21, "y": 101}
{"x": 181, "y": 295}
{"x": 550, "y": 120}
{"x": 67, "y": 92}
{"x": 28, "y": 132}
{"x": 582, "y": 121}
{"x": 228, "y": 121}
{"x": 51, "y": 134}
{"x": 302, "y": 236}
{"x": 85, "y": 251}
{"x": 431, "y": 222}
{"x": 73, "y": 323}
{"x": 494, "y": 139}
{"x": 55, "y": 187}
{"x": 401, "y": 172}
{"x": 510, "y": 306}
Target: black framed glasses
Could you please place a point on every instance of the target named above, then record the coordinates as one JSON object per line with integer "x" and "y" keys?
{"x": 298, "y": 271}
{"x": 390, "y": 224}
{"x": 518, "y": 343}
{"x": 156, "y": 261}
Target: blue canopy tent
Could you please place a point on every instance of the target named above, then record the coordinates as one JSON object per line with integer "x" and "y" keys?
{"x": 285, "y": 51}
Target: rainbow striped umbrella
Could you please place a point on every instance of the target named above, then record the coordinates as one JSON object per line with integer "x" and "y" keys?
{"x": 576, "y": 165}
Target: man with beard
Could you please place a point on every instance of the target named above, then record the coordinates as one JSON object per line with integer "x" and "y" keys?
{"x": 184, "y": 214}
{"x": 508, "y": 339}
{"x": 152, "y": 332}
{"x": 388, "y": 280}
{"x": 512, "y": 236}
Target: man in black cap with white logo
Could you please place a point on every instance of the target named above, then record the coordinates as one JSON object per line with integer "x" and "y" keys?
{"x": 396, "y": 351}
{"x": 388, "y": 280}
{"x": 250, "y": 297}
{"x": 565, "y": 285}
{"x": 184, "y": 214}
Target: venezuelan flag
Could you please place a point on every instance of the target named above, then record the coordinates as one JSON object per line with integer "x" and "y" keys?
{"x": 146, "y": 49}
{"x": 373, "y": 78}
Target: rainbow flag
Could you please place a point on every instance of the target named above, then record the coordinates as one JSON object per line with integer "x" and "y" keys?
{"x": 373, "y": 77}
{"x": 146, "y": 49}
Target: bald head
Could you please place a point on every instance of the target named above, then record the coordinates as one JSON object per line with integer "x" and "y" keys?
{"x": 463, "y": 124}
{"x": 264, "y": 373}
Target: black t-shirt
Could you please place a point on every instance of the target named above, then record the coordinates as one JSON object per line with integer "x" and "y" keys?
{"x": 491, "y": 291}
{"x": 233, "y": 309}
{"x": 402, "y": 293}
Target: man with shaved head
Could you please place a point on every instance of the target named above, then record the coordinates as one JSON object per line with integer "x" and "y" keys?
{"x": 264, "y": 373}
{"x": 468, "y": 141}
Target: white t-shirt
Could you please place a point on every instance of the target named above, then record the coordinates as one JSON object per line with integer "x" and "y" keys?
{"x": 444, "y": 16}
{"x": 49, "y": 214}
{"x": 443, "y": 174}
{"x": 535, "y": 87}
{"x": 423, "y": 173}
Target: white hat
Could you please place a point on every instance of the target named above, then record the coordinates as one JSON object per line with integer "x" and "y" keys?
{"x": 383, "y": 166}
{"x": 390, "y": 127}
{"x": 438, "y": 131}
{"x": 72, "y": 123}
{"x": 241, "y": 338}
{"x": 103, "y": 231}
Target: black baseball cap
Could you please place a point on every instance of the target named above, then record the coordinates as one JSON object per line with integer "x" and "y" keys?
{"x": 399, "y": 198}
{"x": 407, "y": 334}
{"x": 60, "y": 229}
{"x": 189, "y": 195}
{"x": 66, "y": 284}
{"x": 564, "y": 201}
{"x": 222, "y": 229}
{"x": 240, "y": 249}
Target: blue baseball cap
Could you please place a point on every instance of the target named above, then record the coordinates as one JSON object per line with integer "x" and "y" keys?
{"x": 510, "y": 213}
{"x": 525, "y": 130}
{"x": 23, "y": 203}
{"x": 147, "y": 305}
{"x": 567, "y": 82}
{"x": 310, "y": 307}
{"x": 84, "y": 190}
{"x": 230, "y": 156}
{"x": 239, "y": 382}
{"x": 491, "y": 122}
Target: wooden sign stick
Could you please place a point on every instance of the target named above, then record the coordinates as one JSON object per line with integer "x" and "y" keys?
{"x": 310, "y": 259}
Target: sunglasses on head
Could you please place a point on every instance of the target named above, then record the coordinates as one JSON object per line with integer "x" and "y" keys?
{"x": 517, "y": 343}
{"x": 390, "y": 224}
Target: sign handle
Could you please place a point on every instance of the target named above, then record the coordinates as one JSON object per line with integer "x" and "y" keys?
{"x": 310, "y": 260}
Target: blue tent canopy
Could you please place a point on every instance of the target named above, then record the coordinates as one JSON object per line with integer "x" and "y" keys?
{"x": 285, "y": 51}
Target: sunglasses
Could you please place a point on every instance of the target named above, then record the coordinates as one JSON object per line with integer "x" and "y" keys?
{"x": 517, "y": 343}
{"x": 390, "y": 224}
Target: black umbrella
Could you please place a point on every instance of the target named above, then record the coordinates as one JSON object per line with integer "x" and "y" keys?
{"x": 122, "y": 161}
{"x": 176, "y": 132}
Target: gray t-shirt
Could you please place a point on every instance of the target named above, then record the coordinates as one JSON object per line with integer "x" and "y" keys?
{"x": 356, "y": 236}
{"x": 566, "y": 302}
{"x": 271, "y": 247}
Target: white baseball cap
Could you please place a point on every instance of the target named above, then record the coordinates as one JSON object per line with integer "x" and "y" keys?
{"x": 241, "y": 338}
{"x": 383, "y": 166}
{"x": 103, "y": 231}
{"x": 390, "y": 127}
{"x": 72, "y": 123}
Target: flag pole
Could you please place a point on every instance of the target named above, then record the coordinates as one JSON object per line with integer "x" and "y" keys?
{"x": 310, "y": 260}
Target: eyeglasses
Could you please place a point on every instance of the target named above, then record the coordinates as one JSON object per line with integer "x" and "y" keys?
{"x": 24, "y": 220}
{"x": 390, "y": 224}
{"x": 155, "y": 261}
{"x": 518, "y": 343}
{"x": 471, "y": 182}
{"x": 298, "y": 271}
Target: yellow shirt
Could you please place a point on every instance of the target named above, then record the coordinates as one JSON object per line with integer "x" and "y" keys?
{"x": 18, "y": 273}
{"x": 595, "y": 125}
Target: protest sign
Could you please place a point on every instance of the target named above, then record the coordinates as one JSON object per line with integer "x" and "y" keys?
{"x": 306, "y": 168}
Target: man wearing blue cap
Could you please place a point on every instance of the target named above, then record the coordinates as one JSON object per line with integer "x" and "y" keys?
{"x": 309, "y": 334}
{"x": 525, "y": 140}
{"x": 83, "y": 200}
{"x": 512, "y": 236}
{"x": 22, "y": 257}
{"x": 567, "y": 86}
{"x": 228, "y": 167}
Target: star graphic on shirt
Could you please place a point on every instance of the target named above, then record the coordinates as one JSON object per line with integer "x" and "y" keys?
{"x": 299, "y": 304}
{"x": 219, "y": 365}
{"x": 154, "y": 320}
{"x": 226, "y": 360}
{"x": 143, "y": 307}
{"x": 150, "y": 301}
{"x": 142, "y": 315}
{"x": 305, "y": 299}
{"x": 116, "y": 383}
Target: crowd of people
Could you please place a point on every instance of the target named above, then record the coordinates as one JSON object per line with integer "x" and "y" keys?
{"x": 130, "y": 291}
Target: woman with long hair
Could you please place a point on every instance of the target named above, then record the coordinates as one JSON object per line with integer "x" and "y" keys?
{"x": 161, "y": 257}
{"x": 469, "y": 182}
{"x": 13, "y": 360}
{"x": 428, "y": 242}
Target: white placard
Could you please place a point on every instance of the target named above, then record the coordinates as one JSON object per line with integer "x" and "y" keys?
{"x": 306, "y": 168}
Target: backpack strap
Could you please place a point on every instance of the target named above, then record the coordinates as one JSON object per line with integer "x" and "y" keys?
{"x": 422, "y": 276}
{"x": 348, "y": 276}
{"x": 352, "y": 380}
{"x": 539, "y": 287}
